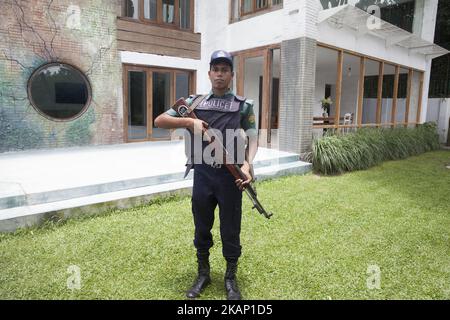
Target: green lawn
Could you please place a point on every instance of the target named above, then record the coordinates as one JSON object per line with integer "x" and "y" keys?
{"x": 325, "y": 233}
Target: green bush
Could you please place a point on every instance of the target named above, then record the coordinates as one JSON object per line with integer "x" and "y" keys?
{"x": 338, "y": 153}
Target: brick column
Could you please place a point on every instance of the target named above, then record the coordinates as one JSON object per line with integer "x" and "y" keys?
{"x": 298, "y": 67}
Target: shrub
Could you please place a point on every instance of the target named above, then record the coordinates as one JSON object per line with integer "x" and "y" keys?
{"x": 338, "y": 153}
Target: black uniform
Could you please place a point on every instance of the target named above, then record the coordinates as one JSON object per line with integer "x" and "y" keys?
{"x": 214, "y": 185}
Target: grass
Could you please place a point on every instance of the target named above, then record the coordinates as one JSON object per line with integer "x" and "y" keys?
{"x": 325, "y": 234}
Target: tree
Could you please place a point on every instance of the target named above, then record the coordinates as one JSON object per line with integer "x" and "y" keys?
{"x": 440, "y": 69}
{"x": 397, "y": 12}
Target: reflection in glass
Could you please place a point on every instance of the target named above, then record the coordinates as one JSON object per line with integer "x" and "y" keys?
{"x": 185, "y": 14}
{"x": 369, "y": 113}
{"x": 182, "y": 85}
{"x": 261, "y": 4}
{"x": 272, "y": 134}
{"x": 161, "y": 99}
{"x": 248, "y": 6}
{"x": 388, "y": 93}
{"x": 132, "y": 9}
{"x": 168, "y": 11}
{"x": 150, "y": 9}
{"x": 235, "y": 10}
{"x": 59, "y": 91}
{"x": 401, "y": 97}
{"x": 137, "y": 102}
{"x": 275, "y": 88}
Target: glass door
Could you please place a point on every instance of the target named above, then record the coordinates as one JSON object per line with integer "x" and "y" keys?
{"x": 161, "y": 101}
{"x": 137, "y": 105}
{"x": 258, "y": 79}
{"x": 275, "y": 75}
{"x": 253, "y": 85}
{"x": 150, "y": 92}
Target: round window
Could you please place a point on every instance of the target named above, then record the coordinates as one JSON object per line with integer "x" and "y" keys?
{"x": 59, "y": 91}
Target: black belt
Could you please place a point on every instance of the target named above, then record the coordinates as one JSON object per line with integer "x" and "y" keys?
{"x": 190, "y": 166}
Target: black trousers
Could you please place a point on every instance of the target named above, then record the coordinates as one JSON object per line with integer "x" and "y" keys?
{"x": 212, "y": 187}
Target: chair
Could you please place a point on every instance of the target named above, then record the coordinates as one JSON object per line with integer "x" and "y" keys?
{"x": 348, "y": 120}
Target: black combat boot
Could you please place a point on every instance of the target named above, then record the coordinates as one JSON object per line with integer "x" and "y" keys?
{"x": 231, "y": 286}
{"x": 203, "y": 278}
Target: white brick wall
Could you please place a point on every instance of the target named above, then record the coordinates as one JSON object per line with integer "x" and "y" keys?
{"x": 298, "y": 59}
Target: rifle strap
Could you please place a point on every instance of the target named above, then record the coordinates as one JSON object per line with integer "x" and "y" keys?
{"x": 196, "y": 103}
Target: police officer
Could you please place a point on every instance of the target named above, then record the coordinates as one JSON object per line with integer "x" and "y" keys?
{"x": 214, "y": 185}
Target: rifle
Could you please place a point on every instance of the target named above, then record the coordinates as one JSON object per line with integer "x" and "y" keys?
{"x": 182, "y": 109}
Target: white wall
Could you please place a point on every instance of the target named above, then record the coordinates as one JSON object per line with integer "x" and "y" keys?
{"x": 160, "y": 61}
{"x": 369, "y": 45}
{"x": 439, "y": 112}
{"x": 349, "y": 96}
{"x": 253, "y": 70}
{"x": 427, "y": 31}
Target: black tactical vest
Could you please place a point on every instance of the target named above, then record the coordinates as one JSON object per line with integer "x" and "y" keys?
{"x": 221, "y": 114}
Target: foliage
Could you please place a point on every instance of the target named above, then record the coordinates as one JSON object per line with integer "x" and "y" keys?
{"x": 335, "y": 154}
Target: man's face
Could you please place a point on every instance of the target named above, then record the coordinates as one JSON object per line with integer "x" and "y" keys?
{"x": 220, "y": 75}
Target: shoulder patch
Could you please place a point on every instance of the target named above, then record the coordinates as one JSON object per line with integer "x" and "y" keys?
{"x": 249, "y": 101}
{"x": 240, "y": 98}
{"x": 194, "y": 96}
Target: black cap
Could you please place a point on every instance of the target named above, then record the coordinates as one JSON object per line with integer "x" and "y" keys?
{"x": 221, "y": 56}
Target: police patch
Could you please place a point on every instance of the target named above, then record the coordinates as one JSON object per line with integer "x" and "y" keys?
{"x": 251, "y": 118}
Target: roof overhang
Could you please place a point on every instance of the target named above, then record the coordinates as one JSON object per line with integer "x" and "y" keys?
{"x": 364, "y": 23}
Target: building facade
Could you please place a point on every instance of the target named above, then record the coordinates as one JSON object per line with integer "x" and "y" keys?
{"x": 99, "y": 72}
{"x": 76, "y": 99}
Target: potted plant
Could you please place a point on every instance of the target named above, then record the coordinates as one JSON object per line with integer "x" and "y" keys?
{"x": 326, "y": 103}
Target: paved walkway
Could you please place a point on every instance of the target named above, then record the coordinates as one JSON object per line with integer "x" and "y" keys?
{"x": 42, "y": 170}
{"x": 45, "y": 170}
{"x": 36, "y": 183}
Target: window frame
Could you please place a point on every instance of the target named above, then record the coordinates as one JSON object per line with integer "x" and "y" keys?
{"x": 149, "y": 70}
{"x": 362, "y": 76}
{"x": 47, "y": 116}
{"x": 265, "y": 114}
{"x": 254, "y": 11}
{"x": 159, "y": 15}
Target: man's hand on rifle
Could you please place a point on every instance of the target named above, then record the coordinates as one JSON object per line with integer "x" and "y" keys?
{"x": 240, "y": 183}
{"x": 197, "y": 126}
